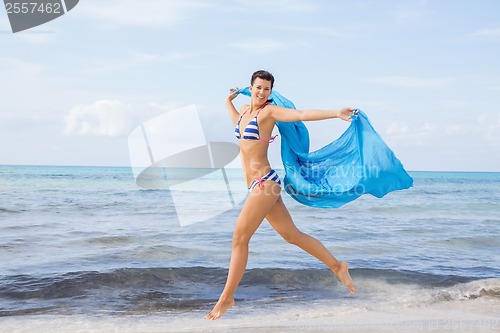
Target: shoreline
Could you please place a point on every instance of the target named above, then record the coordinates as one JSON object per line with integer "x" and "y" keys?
{"x": 479, "y": 315}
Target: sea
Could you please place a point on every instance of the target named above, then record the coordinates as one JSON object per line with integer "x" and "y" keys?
{"x": 85, "y": 249}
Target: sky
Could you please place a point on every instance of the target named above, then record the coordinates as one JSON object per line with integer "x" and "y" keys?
{"x": 427, "y": 74}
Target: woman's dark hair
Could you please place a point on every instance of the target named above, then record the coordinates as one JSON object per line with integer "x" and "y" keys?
{"x": 264, "y": 75}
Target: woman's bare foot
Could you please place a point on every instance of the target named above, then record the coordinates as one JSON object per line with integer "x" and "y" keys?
{"x": 343, "y": 275}
{"x": 219, "y": 309}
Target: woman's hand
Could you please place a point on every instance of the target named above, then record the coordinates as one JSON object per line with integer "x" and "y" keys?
{"x": 345, "y": 113}
{"x": 233, "y": 92}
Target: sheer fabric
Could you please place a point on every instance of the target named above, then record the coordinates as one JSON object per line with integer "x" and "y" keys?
{"x": 358, "y": 162}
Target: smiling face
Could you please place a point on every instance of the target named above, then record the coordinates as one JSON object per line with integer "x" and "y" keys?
{"x": 261, "y": 90}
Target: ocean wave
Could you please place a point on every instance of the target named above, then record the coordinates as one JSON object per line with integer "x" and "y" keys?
{"x": 10, "y": 211}
{"x": 76, "y": 283}
{"x": 471, "y": 290}
{"x": 142, "y": 290}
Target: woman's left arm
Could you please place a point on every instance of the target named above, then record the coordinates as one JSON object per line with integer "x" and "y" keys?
{"x": 290, "y": 115}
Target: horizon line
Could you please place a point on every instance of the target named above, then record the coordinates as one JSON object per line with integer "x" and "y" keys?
{"x": 227, "y": 168}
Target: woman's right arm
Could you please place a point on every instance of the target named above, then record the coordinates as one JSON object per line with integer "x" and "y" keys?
{"x": 233, "y": 113}
{"x": 291, "y": 115}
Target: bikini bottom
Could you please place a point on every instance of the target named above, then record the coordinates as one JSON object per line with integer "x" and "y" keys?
{"x": 272, "y": 175}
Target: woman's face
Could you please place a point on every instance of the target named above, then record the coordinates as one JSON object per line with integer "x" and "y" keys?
{"x": 261, "y": 89}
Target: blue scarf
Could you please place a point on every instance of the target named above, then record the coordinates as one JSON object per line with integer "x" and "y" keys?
{"x": 358, "y": 162}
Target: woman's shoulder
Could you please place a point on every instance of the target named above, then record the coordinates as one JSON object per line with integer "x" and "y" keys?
{"x": 270, "y": 109}
{"x": 266, "y": 114}
{"x": 244, "y": 107}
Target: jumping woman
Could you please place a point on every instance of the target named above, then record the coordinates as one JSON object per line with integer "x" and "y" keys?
{"x": 253, "y": 128}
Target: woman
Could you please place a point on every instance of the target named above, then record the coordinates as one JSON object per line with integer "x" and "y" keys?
{"x": 254, "y": 125}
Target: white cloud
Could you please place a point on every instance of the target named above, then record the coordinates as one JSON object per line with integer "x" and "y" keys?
{"x": 396, "y": 128}
{"x": 151, "y": 13}
{"x": 12, "y": 66}
{"x": 410, "y": 81}
{"x": 340, "y": 32}
{"x": 260, "y": 46}
{"x": 37, "y": 37}
{"x": 489, "y": 125}
{"x": 271, "y": 6}
{"x": 455, "y": 129}
{"x": 457, "y": 135}
{"x": 134, "y": 60}
{"x": 31, "y": 88}
{"x": 110, "y": 118}
{"x": 406, "y": 14}
{"x": 486, "y": 32}
{"x": 103, "y": 118}
{"x": 405, "y": 135}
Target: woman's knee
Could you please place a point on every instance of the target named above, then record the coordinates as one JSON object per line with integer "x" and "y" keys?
{"x": 292, "y": 236}
{"x": 240, "y": 239}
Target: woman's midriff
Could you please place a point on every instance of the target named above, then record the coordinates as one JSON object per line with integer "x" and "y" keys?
{"x": 254, "y": 159}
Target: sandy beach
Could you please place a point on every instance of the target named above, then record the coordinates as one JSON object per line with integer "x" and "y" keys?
{"x": 471, "y": 316}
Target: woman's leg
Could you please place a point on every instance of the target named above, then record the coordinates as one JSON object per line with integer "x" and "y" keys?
{"x": 257, "y": 205}
{"x": 282, "y": 222}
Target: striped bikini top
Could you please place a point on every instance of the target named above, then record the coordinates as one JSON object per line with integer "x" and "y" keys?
{"x": 251, "y": 131}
